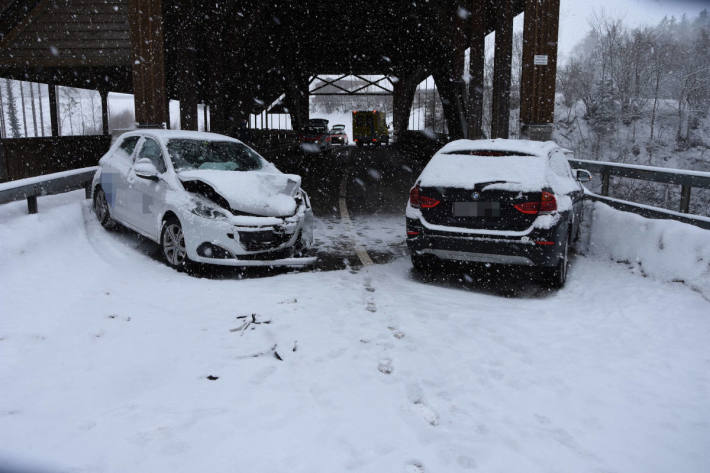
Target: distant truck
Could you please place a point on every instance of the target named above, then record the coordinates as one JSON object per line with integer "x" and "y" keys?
{"x": 370, "y": 128}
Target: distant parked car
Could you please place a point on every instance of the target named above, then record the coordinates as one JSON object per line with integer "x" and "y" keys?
{"x": 315, "y": 139}
{"x": 338, "y": 135}
{"x": 204, "y": 198}
{"x": 513, "y": 202}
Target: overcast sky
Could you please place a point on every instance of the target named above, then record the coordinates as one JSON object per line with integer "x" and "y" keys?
{"x": 575, "y": 15}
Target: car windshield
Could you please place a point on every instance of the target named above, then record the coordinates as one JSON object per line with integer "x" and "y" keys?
{"x": 315, "y": 130}
{"x": 219, "y": 155}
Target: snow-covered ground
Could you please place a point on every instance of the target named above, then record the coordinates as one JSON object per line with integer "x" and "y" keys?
{"x": 112, "y": 362}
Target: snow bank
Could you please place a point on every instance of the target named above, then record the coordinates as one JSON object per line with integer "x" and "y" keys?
{"x": 663, "y": 249}
{"x": 112, "y": 362}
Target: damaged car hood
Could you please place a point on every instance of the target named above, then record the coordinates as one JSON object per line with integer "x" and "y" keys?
{"x": 255, "y": 192}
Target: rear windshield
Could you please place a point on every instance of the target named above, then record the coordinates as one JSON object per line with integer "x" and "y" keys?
{"x": 219, "y": 155}
{"x": 489, "y": 153}
{"x": 312, "y": 130}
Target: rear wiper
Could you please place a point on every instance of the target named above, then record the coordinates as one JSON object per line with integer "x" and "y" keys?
{"x": 481, "y": 186}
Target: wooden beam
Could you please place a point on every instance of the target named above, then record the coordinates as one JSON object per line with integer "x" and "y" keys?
{"x": 476, "y": 66}
{"x": 539, "y": 71}
{"x": 500, "y": 113}
{"x": 20, "y": 27}
{"x": 53, "y": 104}
{"x": 402, "y": 98}
{"x": 104, "y": 111}
{"x": 145, "y": 18}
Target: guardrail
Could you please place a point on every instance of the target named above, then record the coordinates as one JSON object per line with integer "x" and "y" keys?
{"x": 685, "y": 178}
{"x": 32, "y": 187}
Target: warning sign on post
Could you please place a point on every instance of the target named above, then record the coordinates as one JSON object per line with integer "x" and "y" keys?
{"x": 540, "y": 60}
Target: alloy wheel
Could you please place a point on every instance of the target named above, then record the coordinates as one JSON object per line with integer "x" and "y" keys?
{"x": 174, "y": 244}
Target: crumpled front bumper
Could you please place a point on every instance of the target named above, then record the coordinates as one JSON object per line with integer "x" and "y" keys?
{"x": 255, "y": 241}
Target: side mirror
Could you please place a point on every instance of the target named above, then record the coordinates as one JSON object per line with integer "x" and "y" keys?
{"x": 583, "y": 175}
{"x": 145, "y": 168}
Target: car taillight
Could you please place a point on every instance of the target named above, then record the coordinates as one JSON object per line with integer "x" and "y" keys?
{"x": 416, "y": 200}
{"x": 546, "y": 204}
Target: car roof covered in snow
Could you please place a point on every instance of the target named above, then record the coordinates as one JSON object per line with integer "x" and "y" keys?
{"x": 533, "y": 148}
{"x": 454, "y": 166}
{"x": 165, "y": 135}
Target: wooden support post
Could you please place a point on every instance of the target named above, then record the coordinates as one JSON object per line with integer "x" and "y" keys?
{"x": 402, "y": 97}
{"x": 500, "y": 113}
{"x": 539, "y": 68}
{"x": 476, "y": 66}
{"x": 451, "y": 91}
{"x": 32, "y": 204}
{"x": 297, "y": 100}
{"x": 145, "y": 18}
{"x": 605, "y": 182}
{"x": 53, "y": 104}
{"x": 104, "y": 111}
{"x": 205, "y": 115}
{"x": 685, "y": 198}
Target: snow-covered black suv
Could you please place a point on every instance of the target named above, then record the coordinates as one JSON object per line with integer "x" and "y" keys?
{"x": 498, "y": 201}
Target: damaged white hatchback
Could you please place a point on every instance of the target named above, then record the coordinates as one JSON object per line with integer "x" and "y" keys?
{"x": 204, "y": 198}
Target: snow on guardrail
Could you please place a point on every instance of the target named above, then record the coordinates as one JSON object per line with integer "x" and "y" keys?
{"x": 47, "y": 184}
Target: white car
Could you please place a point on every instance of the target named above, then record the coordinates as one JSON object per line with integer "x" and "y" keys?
{"x": 204, "y": 198}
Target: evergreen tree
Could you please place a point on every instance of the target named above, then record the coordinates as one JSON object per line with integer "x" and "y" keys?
{"x": 12, "y": 118}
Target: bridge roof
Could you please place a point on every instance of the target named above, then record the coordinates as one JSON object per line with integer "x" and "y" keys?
{"x": 324, "y": 37}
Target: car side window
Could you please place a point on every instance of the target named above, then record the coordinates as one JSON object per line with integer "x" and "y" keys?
{"x": 560, "y": 165}
{"x": 151, "y": 150}
{"x": 125, "y": 149}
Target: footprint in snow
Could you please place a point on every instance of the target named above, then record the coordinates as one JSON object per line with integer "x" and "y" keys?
{"x": 396, "y": 333}
{"x": 427, "y": 413}
{"x": 414, "y": 467}
{"x": 371, "y": 307}
{"x": 385, "y": 366}
{"x": 465, "y": 462}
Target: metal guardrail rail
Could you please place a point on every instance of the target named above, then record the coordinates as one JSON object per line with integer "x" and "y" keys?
{"x": 48, "y": 184}
{"x": 685, "y": 178}
{"x": 649, "y": 211}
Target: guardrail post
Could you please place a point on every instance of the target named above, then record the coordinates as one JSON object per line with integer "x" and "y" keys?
{"x": 32, "y": 204}
{"x": 685, "y": 198}
{"x": 605, "y": 182}
{"x": 87, "y": 190}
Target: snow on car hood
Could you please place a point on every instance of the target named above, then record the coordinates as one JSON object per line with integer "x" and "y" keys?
{"x": 255, "y": 192}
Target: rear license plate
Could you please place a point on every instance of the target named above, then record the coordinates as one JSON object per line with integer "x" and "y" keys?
{"x": 476, "y": 209}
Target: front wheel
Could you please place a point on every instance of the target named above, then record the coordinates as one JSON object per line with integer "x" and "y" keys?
{"x": 172, "y": 244}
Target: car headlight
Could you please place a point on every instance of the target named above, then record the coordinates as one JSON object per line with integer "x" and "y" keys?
{"x": 207, "y": 211}
{"x": 306, "y": 200}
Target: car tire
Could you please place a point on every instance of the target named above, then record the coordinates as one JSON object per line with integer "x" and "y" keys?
{"x": 423, "y": 264}
{"x": 557, "y": 277}
{"x": 102, "y": 210}
{"x": 172, "y": 245}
